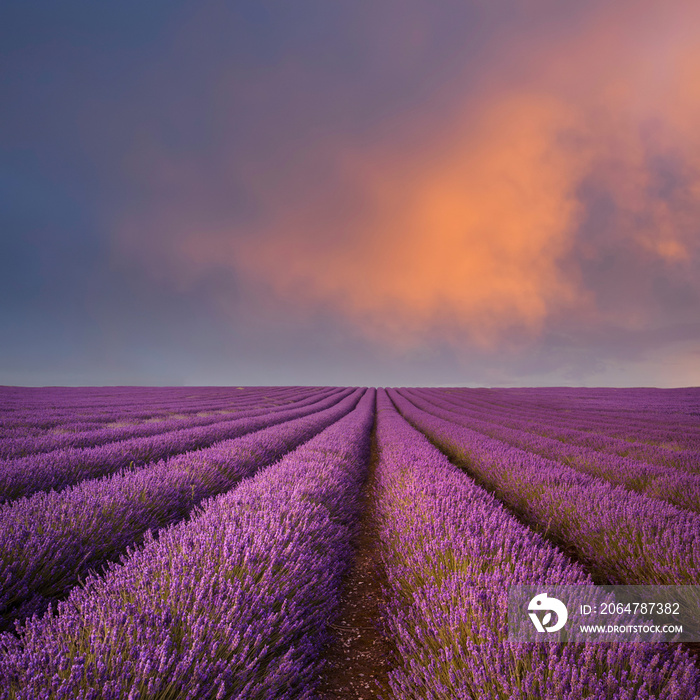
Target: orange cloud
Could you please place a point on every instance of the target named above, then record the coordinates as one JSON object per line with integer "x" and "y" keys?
{"x": 469, "y": 226}
{"x": 470, "y": 233}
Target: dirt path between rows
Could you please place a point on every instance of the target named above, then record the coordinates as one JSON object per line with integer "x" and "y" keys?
{"x": 358, "y": 656}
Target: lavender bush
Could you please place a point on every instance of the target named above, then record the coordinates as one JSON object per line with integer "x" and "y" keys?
{"x": 23, "y": 442}
{"x": 589, "y": 432}
{"x": 624, "y": 537}
{"x": 450, "y": 550}
{"x": 232, "y": 604}
{"x": 50, "y": 541}
{"x": 58, "y": 469}
{"x": 630, "y": 420}
{"x": 656, "y": 481}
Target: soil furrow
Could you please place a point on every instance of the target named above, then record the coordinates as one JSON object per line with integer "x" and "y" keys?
{"x": 358, "y": 655}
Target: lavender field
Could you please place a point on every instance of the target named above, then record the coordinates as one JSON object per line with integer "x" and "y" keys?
{"x": 173, "y": 543}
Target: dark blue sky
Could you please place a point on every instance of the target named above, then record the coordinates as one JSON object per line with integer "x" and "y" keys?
{"x": 345, "y": 193}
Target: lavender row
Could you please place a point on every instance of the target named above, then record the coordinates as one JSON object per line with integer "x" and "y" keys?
{"x": 552, "y": 428}
{"x": 47, "y": 407}
{"x": 140, "y": 406}
{"x": 633, "y": 406}
{"x": 666, "y": 483}
{"x": 49, "y": 542}
{"x": 623, "y": 415}
{"x": 78, "y": 431}
{"x": 14, "y": 446}
{"x": 626, "y": 414}
{"x": 450, "y": 551}
{"x": 232, "y": 604}
{"x": 61, "y": 468}
{"x": 619, "y": 427}
{"x": 623, "y": 537}
{"x": 21, "y": 442}
{"x": 137, "y": 405}
{"x": 45, "y": 416}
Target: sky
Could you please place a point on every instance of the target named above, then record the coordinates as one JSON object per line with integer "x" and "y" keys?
{"x": 380, "y": 193}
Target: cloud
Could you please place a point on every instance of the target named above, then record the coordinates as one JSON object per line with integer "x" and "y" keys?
{"x": 564, "y": 185}
{"x": 467, "y": 231}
